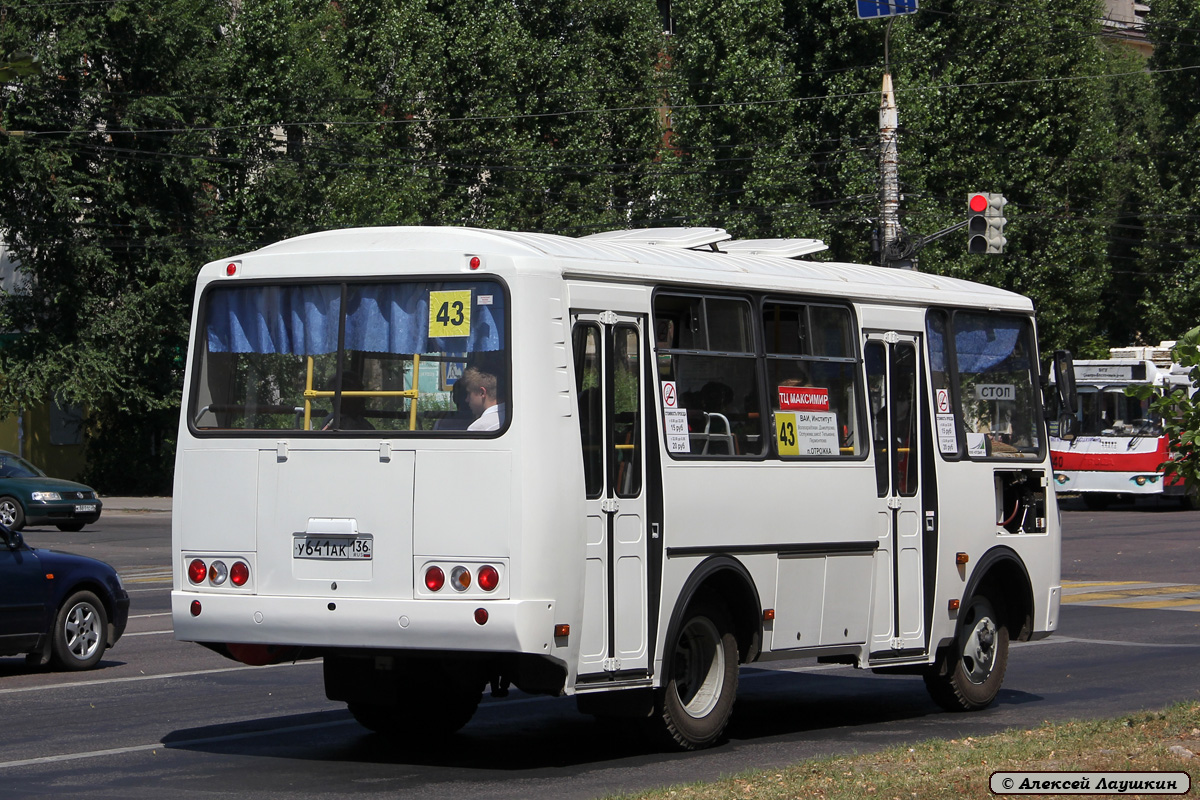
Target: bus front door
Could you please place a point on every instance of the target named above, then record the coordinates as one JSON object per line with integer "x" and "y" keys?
{"x": 609, "y": 373}
{"x": 897, "y": 627}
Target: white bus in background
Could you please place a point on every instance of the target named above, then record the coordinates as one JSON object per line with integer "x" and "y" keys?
{"x": 709, "y": 453}
{"x": 1120, "y": 445}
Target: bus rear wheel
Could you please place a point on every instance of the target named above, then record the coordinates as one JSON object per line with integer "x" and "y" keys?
{"x": 702, "y": 670}
{"x": 967, "y": 676}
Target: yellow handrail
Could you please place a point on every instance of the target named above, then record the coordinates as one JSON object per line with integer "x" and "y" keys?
{"x": 414, "y": 394}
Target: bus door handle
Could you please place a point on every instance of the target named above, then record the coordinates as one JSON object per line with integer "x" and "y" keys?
{"x": 893, "y": 502}
{"x": 610, "y": 505}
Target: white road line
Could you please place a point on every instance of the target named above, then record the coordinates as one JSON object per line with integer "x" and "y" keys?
{"x": 145, "y": 633}
{"x": 147, "y": 616}
{"x": 1074, "y": 640}
{"x": 141, "y": 748}
{"x": 163, "y": 676}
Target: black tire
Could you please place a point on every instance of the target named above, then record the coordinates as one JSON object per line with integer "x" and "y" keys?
{"x": 80, "y": 633}
{"x": 12, "y": 514}
{"x": 435, "y": 701}
{"x": 69, "y": 527}
{"x": 1190, "y": 500}
{"x": 702, "y": 676}
{"x": 968, "y": 674}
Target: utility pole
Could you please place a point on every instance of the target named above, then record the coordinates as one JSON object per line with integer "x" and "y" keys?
{"x": 895, "y": 248}
{"x": 889, "y": 173}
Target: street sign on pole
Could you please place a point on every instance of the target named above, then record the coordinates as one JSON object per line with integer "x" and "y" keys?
{"x": 870, "y": 9}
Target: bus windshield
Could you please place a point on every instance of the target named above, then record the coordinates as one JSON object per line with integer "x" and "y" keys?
{"x": 984, "y": 362}
{"x": 1108, "y": 411}
{"x": 328, "y": 357}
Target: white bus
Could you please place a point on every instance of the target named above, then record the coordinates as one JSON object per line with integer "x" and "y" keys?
{"x": 1121, "y": 445}
{"x": 698, "y": 454}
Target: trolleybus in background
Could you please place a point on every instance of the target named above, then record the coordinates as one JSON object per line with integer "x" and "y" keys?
{"x": 1120, "y": 443}
{"x": 705, "y": 453}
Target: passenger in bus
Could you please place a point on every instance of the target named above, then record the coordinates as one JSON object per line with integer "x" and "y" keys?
{"x": 483, "y": 396}
{"x": 462, "y": 416}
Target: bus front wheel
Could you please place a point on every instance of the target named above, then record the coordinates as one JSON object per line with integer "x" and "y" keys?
{"x": 697, "y": 700}
{"x": 968, "y": 674}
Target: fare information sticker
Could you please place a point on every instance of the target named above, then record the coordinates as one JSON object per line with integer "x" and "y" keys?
{"x": 449, "y": 314}
{"x": 676, "y": 430}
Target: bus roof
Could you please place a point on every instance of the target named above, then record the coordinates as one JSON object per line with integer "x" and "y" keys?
{"x": 629, "y": 260}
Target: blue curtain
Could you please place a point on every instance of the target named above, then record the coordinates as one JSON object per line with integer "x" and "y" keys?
{"x": 982, "y": 342}
{"x": 380, "y": 318}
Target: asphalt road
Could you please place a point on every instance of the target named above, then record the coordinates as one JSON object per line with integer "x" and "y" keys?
{"x": 163, "y": 718}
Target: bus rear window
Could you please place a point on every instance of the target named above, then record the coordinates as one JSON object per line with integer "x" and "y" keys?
{"x": 397, "y": 357}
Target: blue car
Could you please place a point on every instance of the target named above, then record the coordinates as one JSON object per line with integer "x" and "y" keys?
{"x": 56, "y": 607}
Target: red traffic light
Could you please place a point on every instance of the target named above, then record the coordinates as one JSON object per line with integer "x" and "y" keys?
{"x": 979, "y": 203}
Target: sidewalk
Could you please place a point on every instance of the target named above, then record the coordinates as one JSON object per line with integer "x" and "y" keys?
{"x": 149, "y": 505}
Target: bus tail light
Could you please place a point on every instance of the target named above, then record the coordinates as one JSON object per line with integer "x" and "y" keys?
{"x": 239, "y": 573}
{"x": 217, "y": 573}
{"x": 489, "y": 578}
{"x": 197, "y": 571}
{"x": 481, "y": 615}
{"x": 434, "y": 578}
{"x": 195, "y": 608}
{"x": 460, "y": 579}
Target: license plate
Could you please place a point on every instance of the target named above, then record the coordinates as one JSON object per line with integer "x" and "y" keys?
{"x": 86, "y": 509}
{"x": 333, "y": 548}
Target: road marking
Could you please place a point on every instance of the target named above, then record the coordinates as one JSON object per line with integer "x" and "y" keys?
{"x": 147, "y": 616}
{"x": 141, "y": 748}
{"x": 137, "y": 678}
{"x": 145, "y": 633}
{"x": 1134, "y": 594}
{"x": 1056, "y": 639}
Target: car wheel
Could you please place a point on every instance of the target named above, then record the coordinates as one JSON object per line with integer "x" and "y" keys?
{"x": 702, "y": 671}
{"x": 80, "y": 632}
{"x": 12, "y": 515}
{"x": 69, "y": 527}
{"x": 968, "y": 675}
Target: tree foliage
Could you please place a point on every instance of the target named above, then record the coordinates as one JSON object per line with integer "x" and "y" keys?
{"x": 155, "y": 136}
{"x": 1180, "y": 413}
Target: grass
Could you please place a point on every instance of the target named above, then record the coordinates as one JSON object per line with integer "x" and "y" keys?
{"x": 1160, "y": 741}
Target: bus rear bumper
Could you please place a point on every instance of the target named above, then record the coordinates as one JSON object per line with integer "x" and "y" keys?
{"x": 521, "y": 626}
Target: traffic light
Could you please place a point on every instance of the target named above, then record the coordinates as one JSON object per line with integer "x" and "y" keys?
{"x": 985, "y": 222}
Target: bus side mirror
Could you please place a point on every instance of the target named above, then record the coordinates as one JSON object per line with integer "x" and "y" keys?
{"x": 1065, "y": 395}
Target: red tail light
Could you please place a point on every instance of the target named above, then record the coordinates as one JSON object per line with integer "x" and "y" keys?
{"x": 434, "y": 578}
{"x": 239, "y": 573}
{"x": 489, "y": 578}
{"x": 197, "y": 571}
{"x": 481, "y": 616}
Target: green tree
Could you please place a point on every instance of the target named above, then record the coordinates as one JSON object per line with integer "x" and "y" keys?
{"x": 101, "y": 204}
{"x": 1180, "y": 412}
{"x": 1170, "y": 252}
{"x": 738, "y": 154}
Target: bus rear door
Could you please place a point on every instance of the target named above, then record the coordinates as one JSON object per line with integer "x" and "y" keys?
{"x": 609, "y": 374}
